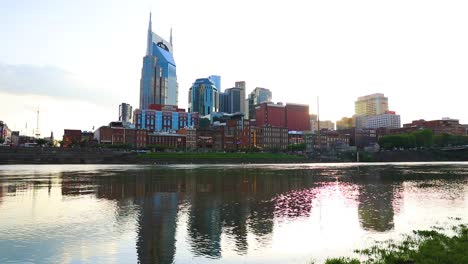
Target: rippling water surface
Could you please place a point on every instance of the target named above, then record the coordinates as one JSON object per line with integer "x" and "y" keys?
{"x": 219, "y": 214}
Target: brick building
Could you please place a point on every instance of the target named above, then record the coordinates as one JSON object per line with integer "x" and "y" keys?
{"x": 167, "y": 140}
{"x": 439, "y": 127}
{"x": 270, "y": 138}
{"x": 297, "y": 117}
{"x": 71, "y": 136}
{"x": 119, "y": 135}
{"x": 270, "y": 114}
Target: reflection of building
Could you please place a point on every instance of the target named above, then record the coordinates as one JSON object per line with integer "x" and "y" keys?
{"x": 203, "y": 97}
{"x": 157, "y": 228}
{"x": 158, "y": 84}
{"x": 205, "y": 225}
{"x": 375, "y": 209}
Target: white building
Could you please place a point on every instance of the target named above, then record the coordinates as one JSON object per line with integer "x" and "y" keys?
{"x": 387, "y": 120}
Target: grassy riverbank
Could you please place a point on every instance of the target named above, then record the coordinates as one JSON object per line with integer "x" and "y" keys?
{"x": 421, "y": 247}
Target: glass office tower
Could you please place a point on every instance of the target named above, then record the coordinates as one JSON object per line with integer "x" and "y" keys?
{"x": 158, "y": 84}
{"x": 203, "y": 97}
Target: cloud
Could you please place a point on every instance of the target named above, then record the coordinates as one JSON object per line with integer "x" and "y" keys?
{"x": 47, "y": 81}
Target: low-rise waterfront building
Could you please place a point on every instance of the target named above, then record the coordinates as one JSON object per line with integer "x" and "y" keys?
{"x": 5, "y": 133}
{"x": 164, "y": 118}
{"x": 329, "y": 141}
{"x": 270, "y": 138}
{"x": 167, "y": 140}
{"x": 440, "y": 126}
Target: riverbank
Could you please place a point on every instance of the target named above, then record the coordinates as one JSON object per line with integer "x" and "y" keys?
{"x": 421, "y": 247}
{"x": 107, "y": 156}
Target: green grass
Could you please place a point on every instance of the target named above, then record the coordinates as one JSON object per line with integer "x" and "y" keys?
{"x": 234, "y": 156}
{"x": 422, "y": 247}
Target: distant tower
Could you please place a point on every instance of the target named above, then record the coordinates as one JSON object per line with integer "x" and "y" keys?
{"x": 158, "y": 83}
{"x": 38, "y": 132}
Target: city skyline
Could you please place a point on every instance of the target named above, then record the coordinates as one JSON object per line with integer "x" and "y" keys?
{"x": 80, "y": 83}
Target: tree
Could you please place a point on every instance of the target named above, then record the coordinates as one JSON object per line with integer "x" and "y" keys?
{"x": 2, "y": 140}
{"x": 41, "y": 142}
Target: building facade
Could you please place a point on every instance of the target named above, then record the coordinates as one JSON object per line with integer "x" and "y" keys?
{"x": 345, "y": 123}
{"x": 125, "y": 113}
{"x": 242, "y": 86}
{"x": 439, "y": 127}
{"x": 164, "y": 118}
{"x": 5, "y": 133}
{"x": 270, "y": 138}
{"x": 373, "y": 104}
{"x": 216, "y": 79}
{"x": 235, "y": 98}
{"x": 257, "y": 96}
{"x": 387, "y": 120}
{"x": 224, "y": 103}
{"x": 203, "y": 97}
{"x": 158, "y": 84}
{"x": 297, "y": 117}
{"x": 270, "y": 114}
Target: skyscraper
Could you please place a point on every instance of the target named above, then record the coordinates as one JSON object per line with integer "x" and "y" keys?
{"x": 125, "y": 112}
{"x": 217, "y": 81}
{"x": 158, "y": 84}
{"x": 257, "y": 96}
{"x": 235, "y": 100}
{"x": 242, "y": 87}
{"x": 373, "y": 104}
{"x": 203, "y": 97}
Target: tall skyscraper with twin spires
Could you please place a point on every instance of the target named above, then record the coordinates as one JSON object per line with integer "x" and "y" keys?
{"x": 158, "y": 84}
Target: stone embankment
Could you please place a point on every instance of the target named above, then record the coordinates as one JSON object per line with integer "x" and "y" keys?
{"x": 36, "y": 155}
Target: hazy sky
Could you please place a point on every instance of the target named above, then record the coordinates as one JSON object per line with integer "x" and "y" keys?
{"x": 77, "y": 60}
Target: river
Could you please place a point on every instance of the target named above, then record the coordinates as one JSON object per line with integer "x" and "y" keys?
{"x": 295, "y": 213}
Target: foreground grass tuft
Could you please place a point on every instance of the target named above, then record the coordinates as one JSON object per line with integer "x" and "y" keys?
{"x": 422, "y": 247}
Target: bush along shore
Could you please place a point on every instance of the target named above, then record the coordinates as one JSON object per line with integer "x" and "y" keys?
{"x": 421, "y": 247}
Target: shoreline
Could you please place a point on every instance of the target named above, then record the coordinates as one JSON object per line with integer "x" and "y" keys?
{"x": 19, "y": 156}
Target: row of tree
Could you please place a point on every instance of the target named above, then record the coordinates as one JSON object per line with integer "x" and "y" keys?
{"x": 424, "y": 138}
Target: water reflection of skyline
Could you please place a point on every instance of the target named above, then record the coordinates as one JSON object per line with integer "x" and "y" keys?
{"x": 230, "y": 203}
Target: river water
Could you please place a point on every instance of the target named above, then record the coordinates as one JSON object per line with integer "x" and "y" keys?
{"x": 295, "y": 213}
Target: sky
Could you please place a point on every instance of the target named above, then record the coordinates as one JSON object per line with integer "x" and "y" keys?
{"x": 76, "y": 61}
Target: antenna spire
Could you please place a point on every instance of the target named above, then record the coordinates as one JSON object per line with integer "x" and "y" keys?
{"x": 149, "y": 44}
{"x": 38, "y": 133}
{"x": 170, "y": 39}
